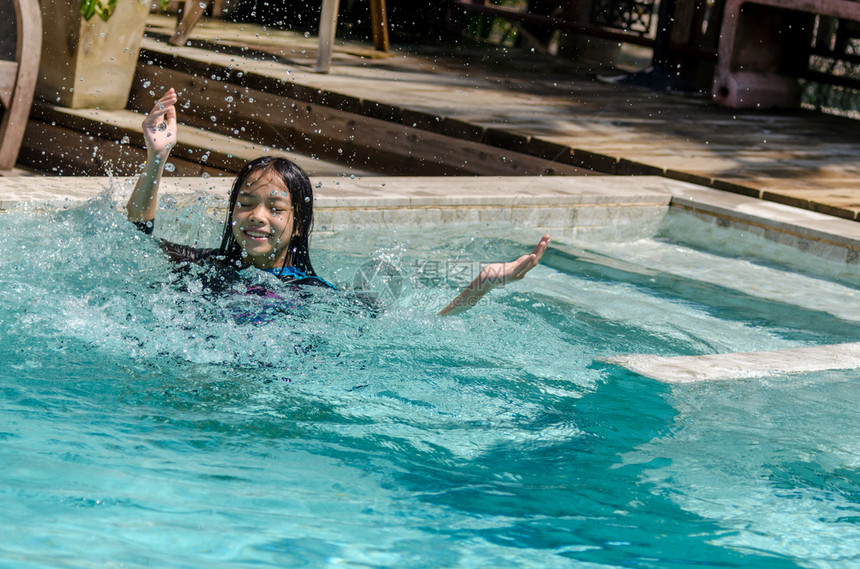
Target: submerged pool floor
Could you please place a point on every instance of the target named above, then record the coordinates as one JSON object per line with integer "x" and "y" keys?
{"x": 146, "y": 422}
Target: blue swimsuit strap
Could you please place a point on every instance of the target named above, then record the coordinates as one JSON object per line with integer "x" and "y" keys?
{"x": 295, "y": 274}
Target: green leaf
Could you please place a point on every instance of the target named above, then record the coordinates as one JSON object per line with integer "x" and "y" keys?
{"x": 108, "y": 9}
{"x": 88, "y": 9}
{"x": 104, "y": 9}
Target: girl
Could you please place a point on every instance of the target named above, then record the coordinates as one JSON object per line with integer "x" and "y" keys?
{"x": 269, "y": 217}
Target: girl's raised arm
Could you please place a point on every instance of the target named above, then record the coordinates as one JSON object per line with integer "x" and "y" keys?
{"x": 159, "y": 131}
{"x": 494, "y": 275}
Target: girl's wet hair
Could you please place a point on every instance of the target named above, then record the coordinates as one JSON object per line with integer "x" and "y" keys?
{"x": 301, "y": 198}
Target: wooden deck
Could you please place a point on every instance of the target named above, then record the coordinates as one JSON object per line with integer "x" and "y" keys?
{"x": 478, "y": 110}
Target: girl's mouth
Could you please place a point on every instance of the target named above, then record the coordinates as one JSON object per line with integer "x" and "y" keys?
{"x": 257, "y": 235}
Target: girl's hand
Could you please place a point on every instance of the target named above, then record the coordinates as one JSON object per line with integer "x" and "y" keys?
{"x": 493, "y": 275}
{"x": 159, "y": 131}
{"x": 159, "y": 127}
{"x": 497, "y": 274}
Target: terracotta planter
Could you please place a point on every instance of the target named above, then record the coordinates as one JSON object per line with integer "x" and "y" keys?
{"x": 89, "y": 64}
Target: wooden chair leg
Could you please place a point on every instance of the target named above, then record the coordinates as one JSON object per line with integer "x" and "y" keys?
{"x": 379, "y": 23}
{"x": 328, "y": 25}
{"x": 191, "y": 14}
{"x": 29, "y": 51}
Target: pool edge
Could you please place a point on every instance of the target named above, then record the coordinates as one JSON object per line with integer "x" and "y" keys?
{"x": 565, "y": 206}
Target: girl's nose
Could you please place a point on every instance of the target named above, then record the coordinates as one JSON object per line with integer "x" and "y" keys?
{"x": 258, "y": 213}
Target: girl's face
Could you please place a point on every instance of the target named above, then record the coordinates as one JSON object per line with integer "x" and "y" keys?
{"x": 263, "y": 220}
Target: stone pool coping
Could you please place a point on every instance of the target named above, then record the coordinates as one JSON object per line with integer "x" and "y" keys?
{"x": 554, "y": 203}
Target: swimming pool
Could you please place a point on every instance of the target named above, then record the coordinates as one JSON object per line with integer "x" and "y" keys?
{"x": 142, "y": 425}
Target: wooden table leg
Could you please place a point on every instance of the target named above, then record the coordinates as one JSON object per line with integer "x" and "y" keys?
{"x": 328, "y": 25}
{"x": 379, "y": 23}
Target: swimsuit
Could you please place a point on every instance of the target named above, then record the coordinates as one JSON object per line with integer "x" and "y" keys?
{"x": 295, "y": 276}
{"x": 195, "y": 255}
{"x": 229, "y": 273}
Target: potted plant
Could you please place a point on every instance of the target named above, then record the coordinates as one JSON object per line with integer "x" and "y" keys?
{"x": 87, "y": 61}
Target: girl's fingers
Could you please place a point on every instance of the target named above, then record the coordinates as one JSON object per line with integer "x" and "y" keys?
{"x": 541, "y": 246}
{"x": 171, "y": 94}
{"x": 155, "y": 115}
{"x": 170, "y": 114}
{"x": 154, "y": 119}
{"x": 164, "y": 105}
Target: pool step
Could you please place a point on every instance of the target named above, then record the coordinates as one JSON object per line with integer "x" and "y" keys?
{"x": 62, "y": 141}
{"x": 691, "y": 369}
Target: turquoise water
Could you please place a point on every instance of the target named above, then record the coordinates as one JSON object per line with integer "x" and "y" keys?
{"x": 143, "y": 424}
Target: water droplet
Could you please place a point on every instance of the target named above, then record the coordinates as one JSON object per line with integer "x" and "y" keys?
{"x": 307, "y": 199}
{"x": 319, "y": 184}
{"x": 125, "y": 140}
{"x": 169, "y": 167}
{"x": 229, "y": 99}
{"x": 205, "y": 175}
{"x": 146, "y": 84}
{"x": 213, "y": 118}
{"x": 204, "y": 158}
{"x": 161, "y": 127}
